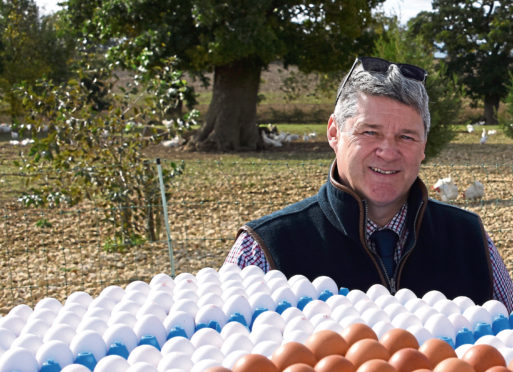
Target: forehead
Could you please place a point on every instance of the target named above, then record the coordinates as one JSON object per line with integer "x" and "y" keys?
{"x": 381, "y": 110}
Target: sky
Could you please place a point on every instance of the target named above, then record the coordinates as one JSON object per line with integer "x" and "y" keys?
{"x": 405, "y": 9}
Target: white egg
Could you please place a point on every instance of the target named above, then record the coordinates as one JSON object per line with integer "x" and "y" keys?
{"x": 205, "y": 352}
{"x": 271, "y": 318}
{"x": 344, "y": 311}
{"x": 75, "y": 368}
{"x": 328, "y": 324}
{"x": 150, "y": 308}
{"x": 180, "y": 361}
{"x": 284, "y": 294}
{"x": 274, "y": 274}
{"x": 414, "y": 304}
{"x": 230, "y": 277}
{"x": 126, "y": 305}
{"x": 187, "y": 305}
{"x": 425, "y": 312}
{"x": 112, "y": 363}
{"x": 88, "y": 342}
{"x": 123, "y": 334}
{"x": 114, "y": 292}
{"x": 432, "y": 297}
{"x": 495, "y": 308}
{"x": 232, "y": 328}
{"x": 100, "y": 313}
{"x": 13, "y": 323}
{"x": 209, "y": 313}
{"x": 252, "y": 270}
{"x": 463, "y": 302}
{"x": 23, "y": 311}
{"x": 325, "y": 283}
{"x": 507, "y": 353}
{"x": 267, "y": 333}
{"x": 80, "y": 298}
{"x": 137, "y": 286}
{"x": 357, "y": 295}
{"x": 145, "y": 353}
{"x": 77, "y": 309}
{"x": 506, "y": 336}
{"x": 142, "y": 367}
{"x": 319, "y": 318}
{"x": 267, "y": 348}
{"x": 93, "y": 324}
{"x": 135, "y": 296}
{"x": 7, "y": 337}
{"x": 102, "y": 303}
{"x": 209, "y": 287}
{"x": 18, "y": 359}
{"x": 298, "y": 323}
{"x": 462, "y": 349}
{"x": 459, "y": 321}
{"x": 404, "y": 295}
{"x": 405, "y": 320}
{"x": 164, "y": 299}
{"x": 303, "y": 288}
{"x": 373, "y": 315}
{"x": 205, "y": 364}
{"x": 420, "y": 333}
{"x": 185, "y": 286}
{"x": 49, "y": 303}
{"x": 394, "y": 309}
{"x": 290, "y": 313}
{"x": 381, "y": 327}
{"x": 238, "y": 304}
{"x": 122, "y": 317}
{"x": 238, "y": 290}
{"x": 477, "y": 314}
{"x": 150, "y": 325}
{"x": 68, "y": 317}
{"x": 377, "y": 290}
{"x": 229, "y": 267}
{"x": 447, "y": 307}
{"x": 295, "y": 278}
{"x": 56, "y": 351}
{"x": 207, "y": 336}
{"x": 364, "y": 304}
{"x": 210, "y": 299}
{"x": 61, "y": 332}
{"x": 337, "y": 300}
{"x": 29, "y": 341}
{"x": 36, "y": 327}
{"x": 232, "y": 358}
{"x": 262, "y": 300}
{"x": 162, "y": 280}
{"x": 237, "y": 341}
{"x": 178, "y": 345}
{"x": 297, "y": 335}
{"x": 316, "y": 307}
{"x": 439, "y": 326}
{"x": 385, "y": 300}
{"x": 490, "y": 340}
{"x": 351, "y": 319}
{"x": 206, "y": 273}
{"x": 180, "y": 319}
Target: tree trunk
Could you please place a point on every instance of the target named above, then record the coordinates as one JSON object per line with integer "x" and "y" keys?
{"x": 491, "y": 107}
{"x": 231, "y": 118}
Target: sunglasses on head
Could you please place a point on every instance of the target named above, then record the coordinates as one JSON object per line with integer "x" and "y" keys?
{"x": 380, "y": 65}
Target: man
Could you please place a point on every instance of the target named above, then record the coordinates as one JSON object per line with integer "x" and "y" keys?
{"x": 372, "y": 221}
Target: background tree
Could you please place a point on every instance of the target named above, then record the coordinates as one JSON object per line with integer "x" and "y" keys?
{"x": 30, "y": 47}
{"x": 236, "y": 39}
{"x": 476, "y": 36}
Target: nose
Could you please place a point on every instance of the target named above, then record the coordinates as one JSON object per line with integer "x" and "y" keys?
{"x": 387, "y": 149}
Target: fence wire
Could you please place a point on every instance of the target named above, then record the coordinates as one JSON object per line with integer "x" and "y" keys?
{"x": 54, "y": 252}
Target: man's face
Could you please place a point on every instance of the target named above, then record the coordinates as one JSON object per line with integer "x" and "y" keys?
{"x": 379, "y": 152}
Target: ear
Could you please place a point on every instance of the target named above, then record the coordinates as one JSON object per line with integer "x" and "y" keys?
{"x": 332, "y": 132}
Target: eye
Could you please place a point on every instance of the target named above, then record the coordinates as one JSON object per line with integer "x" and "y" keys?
{"x": 370, "y": 133}
{"x": 407, "y": 138}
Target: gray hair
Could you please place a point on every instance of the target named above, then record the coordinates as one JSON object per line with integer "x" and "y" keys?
{"x": 392, "y": 85}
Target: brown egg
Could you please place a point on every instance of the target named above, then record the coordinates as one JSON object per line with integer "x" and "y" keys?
{"x": 292, "y": 353}
{"x": 254, "y": 363}
{"x": 453, "y": 365}
{"x": 498, "y": 369}
{"x": 376, "y": 365}
{"x": 422, "y": 370}
{"x": 358, "y": 331}
{"x": 397, "y": 338}
{"x": 334, "y": 363}
{"x": 326, "y": 342}
{"x": 299, "y": 367}
{"x": 482, "y": 357}
{"x": 409, "y": 359}
{"x": 364, "y": 350}
{"x": 437, "y": 350}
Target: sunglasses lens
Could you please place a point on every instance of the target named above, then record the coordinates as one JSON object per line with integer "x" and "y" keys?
{"x": 413, "y": 72}
{"x": 375, "y": 64}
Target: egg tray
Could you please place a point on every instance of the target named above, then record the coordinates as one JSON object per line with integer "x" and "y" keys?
{"x": 247, "y": 320}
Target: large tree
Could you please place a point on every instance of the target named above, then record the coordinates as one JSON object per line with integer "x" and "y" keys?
{"x": 476, "y": 37}
{"x": 236, "y": 39}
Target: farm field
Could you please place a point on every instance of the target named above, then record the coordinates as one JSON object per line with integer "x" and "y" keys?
{"x": 216, "y": 194}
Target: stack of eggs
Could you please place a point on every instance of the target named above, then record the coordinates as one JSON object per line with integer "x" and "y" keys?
{"x": 245, "y": 320}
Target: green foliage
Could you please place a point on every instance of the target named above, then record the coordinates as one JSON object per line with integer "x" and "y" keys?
{"x": 43, "y": 222}
{"x": 506, "y": 119}
{"x": 399, "y": 45}
{"x": 89, "y": 135}
{"x": 476, "y": 36}
{"x": 30, "y": 47}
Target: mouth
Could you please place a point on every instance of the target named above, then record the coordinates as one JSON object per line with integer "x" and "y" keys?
{"x": 383, "y": 171}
